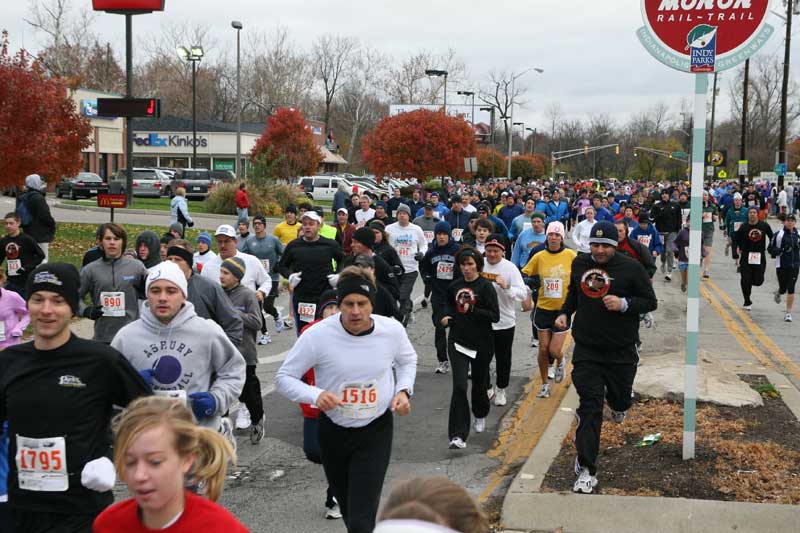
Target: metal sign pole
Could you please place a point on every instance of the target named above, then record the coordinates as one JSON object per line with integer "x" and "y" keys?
{"x": 693, "y": 296}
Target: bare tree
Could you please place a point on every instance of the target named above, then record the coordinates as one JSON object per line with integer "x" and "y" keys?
{"x": 553, "y": 113}
{"x": 497, "y": 92}
{"x": 407, "y": 82}
{"x": 331, "y": 61}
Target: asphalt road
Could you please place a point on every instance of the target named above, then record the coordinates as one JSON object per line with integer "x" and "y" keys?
{"x": 274, "y": 488}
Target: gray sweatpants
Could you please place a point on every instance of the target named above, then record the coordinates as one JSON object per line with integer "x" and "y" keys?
{"x": 668, "y": 255}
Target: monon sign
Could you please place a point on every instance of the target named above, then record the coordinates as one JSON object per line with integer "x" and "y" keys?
{"x": 704, "y": 35}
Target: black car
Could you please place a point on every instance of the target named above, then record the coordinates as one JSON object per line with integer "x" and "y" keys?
{"x": 85, "y": 184}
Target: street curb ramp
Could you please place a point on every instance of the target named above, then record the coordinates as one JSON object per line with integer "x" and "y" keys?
{"x": 526, "y": 508}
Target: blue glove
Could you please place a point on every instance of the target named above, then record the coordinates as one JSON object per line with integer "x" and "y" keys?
{"x": 203, "y": 404}
{"x": 147, "y": 375}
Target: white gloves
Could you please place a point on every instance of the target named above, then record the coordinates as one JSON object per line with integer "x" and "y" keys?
{"x": 295, "y": 279}
{"x": 99, "y": 475}
{"x": 333, "y": 279}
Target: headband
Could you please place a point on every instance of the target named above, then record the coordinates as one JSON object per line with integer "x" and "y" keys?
{"x": 356, "y": 285}
{"x": 180, "y": 252}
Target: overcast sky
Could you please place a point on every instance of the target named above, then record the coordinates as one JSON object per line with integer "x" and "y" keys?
{"x": 592, "y": 60}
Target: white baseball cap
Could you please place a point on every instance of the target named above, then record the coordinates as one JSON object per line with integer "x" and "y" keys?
{"x": 312, "y": 215}
{"x": 227, "y": 230}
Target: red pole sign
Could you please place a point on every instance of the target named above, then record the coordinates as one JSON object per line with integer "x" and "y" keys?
{"x": 704, "y": 35}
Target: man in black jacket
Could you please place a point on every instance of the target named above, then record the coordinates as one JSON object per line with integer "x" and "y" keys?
{"x": 35, "y": 214}
{"x": 607, "y": 293}
{"x": 751, "y": 240}
{"x": 666, "y": 215}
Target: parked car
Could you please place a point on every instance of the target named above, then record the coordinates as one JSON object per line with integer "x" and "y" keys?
{"x": 85, "y": 184}
{"x": 196, "y": 181}
{"x": 223, "y": 176}
{"x": 147, "y": 182}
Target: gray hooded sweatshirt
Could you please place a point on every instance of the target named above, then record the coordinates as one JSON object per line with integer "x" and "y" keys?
{"x": 245, "y": 302}
{"x": 209, "y": 301}
{"x": 189, "y": 354}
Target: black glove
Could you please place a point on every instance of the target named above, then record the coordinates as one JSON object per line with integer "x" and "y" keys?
{"x": 190, "y": 224}
{"x": 93, "y": 313}
{"x": 418, "y": 256}
{"x": 398, "y": 270}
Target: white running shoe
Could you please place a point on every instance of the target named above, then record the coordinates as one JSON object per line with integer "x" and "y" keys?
{"x": 333, "y": 512}
{"x": 777, "y": 297}
{"x": 585, "y": 482}
{"x": 534, "y": 342}
{"x": 479, "y": 425}
{"x": 787, "y": 317}
{"x": 226, "y": 429}
{"x": 280, "y": 324}
{"x": 443, "y": 367}
{"x": 243, "y": 417}
{"x": 264, "y": 339}
{"x": 668, "y": 276}
{"x": 618, "y": 416}
{"x": 457, "y": 443}
{"x": 490, "y": 392}
{"x": 747, "y": 307}
{"x": 500, "y": 397}
{"x": 544, "y": 391}
{"x": 551, "y": 371}
{"x": 647, "y": 319}
{"x": 257, "y": 431}
{"x": 561, "y": 370}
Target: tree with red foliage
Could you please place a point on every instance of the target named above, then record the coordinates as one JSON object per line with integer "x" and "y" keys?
{"x": 40, "y": 129}
{"x": 286, "y": 149}
{"x": 419, "y": 144}
{"x": 490, "y": 163}
{"x": 528, "y": 166}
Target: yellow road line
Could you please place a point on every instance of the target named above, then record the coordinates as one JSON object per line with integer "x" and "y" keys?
{"x": 734, "y": 327}
{"x": 516, "y": 442}
{"x": 763, "y": 338}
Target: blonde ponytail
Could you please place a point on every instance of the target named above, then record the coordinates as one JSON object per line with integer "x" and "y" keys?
{"x": 211, "y": 450}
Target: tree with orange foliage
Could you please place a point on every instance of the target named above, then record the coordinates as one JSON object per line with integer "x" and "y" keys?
{"x": 490, "y": 163}
{"x": 528, "y": 166}
{"x": 286, "y": 149}
{"x": 419, "y": 144}
{"x": 41, "y": 131}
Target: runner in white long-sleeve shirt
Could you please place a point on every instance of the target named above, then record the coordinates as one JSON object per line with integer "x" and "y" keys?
{"x": 353, "y": 354}
{"x": 410, "y": 243}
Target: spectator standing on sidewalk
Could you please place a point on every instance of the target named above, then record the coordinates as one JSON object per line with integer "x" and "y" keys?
{"x": 179, "y": 210}
{"x": 34, "y": 214}
{"x": 242, "y": 204}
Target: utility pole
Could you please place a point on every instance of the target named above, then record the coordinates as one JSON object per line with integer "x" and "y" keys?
{"x": 743, "y": 146}
{"x": 713, "y": 112}
{"x": 785, "y": 88}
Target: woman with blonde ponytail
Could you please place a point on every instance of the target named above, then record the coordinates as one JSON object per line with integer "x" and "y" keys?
{"x": 158, "y": 451}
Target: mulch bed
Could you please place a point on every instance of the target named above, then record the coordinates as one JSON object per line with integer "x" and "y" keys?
{"x": 747, "y": 454}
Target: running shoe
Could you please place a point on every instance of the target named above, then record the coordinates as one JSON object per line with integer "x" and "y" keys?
{"x": 423, "y": 303}
{"x": 747, "y": 306}
{"x": 787, "y": 317}
{"x": 333, "y": 512}
{"x": 777, "y": 297}
{"x": 243, "y": 417}
{"x": 264, "y": 339}
{"x": 648, "y": 320}
{"x": 288, "y": 322}
{"x": 443, "y": 367}
{"x": 585, "y": 483}
{"x": 551, "y": 372}
{"x": 257, "y": 431}
{"x": 226, "y": 428}
{"x": 618, "y": 416}
{"x": 706, "y": 274}
{"x": 457, "y": 443}
{"x": 544, "y": 391}
{"x": 534, "y": 342}
{"x": 683, "y": 287}
{"x": 668, "y": 276}
{"x": 490, "y": 392}
{"x": 560, "y": 370}
{"x": 280, "y": 324}
{"x": 500, "y": 397}
{"x": 479, "y": 425}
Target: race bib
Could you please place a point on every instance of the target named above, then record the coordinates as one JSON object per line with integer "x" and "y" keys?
{"x": 265, "y": 264}
{"x": 754, "y": 258}
{"x": 428, "y": 236}
{"x": 306, "y": 312}
{"x": 14, "y": 266}
{"x": 708, "y": 217}
{"x": 645, "y": 239}
{"x": 553, "y": 287}
{"x": 179, "y": 395}
{"x": 404, "y": 250}
{"x": 736, "y": 226}
{"x": 42, "y": 464}
{"x": 472, "y": 354}
{"x": 113, "y": 303}
{"x": 457, "y": 232}
{"x": 526, "y": 226}
{"x": 2, "y": 331}
{"x": 444, "y": 270}
{"x": 359, "y": 400}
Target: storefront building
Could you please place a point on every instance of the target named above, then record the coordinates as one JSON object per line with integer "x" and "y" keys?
{"x": 107, "y": 151}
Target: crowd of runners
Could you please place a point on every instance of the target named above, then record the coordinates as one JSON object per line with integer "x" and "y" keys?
{"x": 171, "y": 367}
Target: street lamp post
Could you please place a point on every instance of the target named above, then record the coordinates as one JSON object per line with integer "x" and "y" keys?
{"x": 511, "y": 114}
{"x": 472, "y": 94}
{"x": 440, "y": 73}
{"x": 194, "y": 56}
{"x": 522, "y": 127}
{"x": 533, "y": 140}
{"x": 238, "y": 27}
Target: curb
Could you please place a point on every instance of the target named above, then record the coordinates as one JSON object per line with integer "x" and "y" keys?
{"x": 527, "y": 509}
{"x": 134, "y": 211}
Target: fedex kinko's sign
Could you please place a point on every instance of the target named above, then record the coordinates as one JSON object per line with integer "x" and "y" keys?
{"x": 704, "y": 35}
